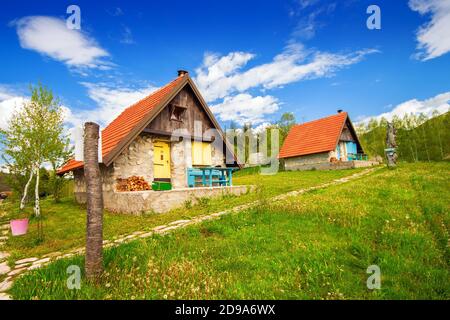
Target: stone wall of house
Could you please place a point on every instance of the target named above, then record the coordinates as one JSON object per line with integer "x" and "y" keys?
{"x": 107, "y": 179}
{"x": 296, "y": 163}
{"x": 136, "y": 160}
{"x": 159, "y": 201}
{"x": 79, "y": 182}
{"x": 343, "y": 151}
{"x": 180, "y": 161}
{"x": 336, "y": 165}
{"x": 217, "y": 158}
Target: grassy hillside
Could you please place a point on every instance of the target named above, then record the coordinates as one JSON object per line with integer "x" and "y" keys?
{"x": 312, "y": 246}
{"x": 418, "y": 139}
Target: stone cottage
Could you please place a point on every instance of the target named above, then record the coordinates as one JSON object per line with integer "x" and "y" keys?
{"x": 169, "y": 136}
{"x": 324, "y": 144}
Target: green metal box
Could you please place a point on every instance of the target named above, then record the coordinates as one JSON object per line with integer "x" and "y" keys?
{"x": 161, "y": 186}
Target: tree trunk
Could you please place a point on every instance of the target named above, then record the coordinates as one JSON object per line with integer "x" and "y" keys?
{"x": 25, "y": 191}
{"x": 37, "y": 207}
{"x": 94, "y": 228}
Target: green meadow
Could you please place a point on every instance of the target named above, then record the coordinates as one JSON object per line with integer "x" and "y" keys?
{"x": 317, "y": 245}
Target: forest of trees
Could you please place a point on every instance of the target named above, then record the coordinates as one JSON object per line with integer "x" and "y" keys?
{"x": 419, "y": 138}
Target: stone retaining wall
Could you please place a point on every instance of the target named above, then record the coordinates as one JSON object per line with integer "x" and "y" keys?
{"x": 137, "y": 202}
{"x": 333, "y": 166}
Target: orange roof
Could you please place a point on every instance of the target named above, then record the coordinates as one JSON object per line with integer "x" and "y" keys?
{"x": 315, "y": 136}
{"x": 131, "y": 117}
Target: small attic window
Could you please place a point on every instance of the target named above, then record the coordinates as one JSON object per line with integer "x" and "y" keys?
{"x": 177, "y": 112}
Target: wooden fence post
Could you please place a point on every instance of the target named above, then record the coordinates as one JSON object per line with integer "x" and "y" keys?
{"x": 94, "y": 192}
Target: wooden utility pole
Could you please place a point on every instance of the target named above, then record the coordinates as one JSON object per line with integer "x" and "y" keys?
{"x": 94, "y": 227}
{"x": 391, "y": 145}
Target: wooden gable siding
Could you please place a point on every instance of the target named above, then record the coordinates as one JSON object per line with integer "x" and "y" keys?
{"x": 346, "y": 134}
{"x": 194, "y": 112}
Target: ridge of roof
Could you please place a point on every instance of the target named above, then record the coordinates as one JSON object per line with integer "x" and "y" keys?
{"x": 324, "y": 118}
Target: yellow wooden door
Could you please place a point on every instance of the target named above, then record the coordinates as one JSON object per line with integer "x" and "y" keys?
{"x": 161, "y": 159}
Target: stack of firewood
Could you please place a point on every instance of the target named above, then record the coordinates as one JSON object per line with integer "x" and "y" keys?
{"x": 133, "y": 183}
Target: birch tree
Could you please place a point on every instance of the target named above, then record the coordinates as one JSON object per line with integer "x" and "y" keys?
{"x": 35, "y": 136}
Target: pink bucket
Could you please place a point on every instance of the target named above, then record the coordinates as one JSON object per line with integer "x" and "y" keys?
{"x": 19, "y": 226}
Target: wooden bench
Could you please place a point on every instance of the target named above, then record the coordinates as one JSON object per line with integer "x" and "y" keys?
{"x": 209, "y": 177}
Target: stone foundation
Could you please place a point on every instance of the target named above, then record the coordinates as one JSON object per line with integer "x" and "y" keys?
{"x": 137, "y": 202}
{"x": 297, "y": 163}
{"x": 333, "y": 166}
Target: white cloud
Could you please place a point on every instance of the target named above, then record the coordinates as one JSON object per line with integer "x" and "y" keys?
{"x": 439, "y": 103}
{"x": 433, "y": 37}
{"x": 50, "y": 37}
{"x": 213, "y": 77}
{"x": 244, "y": 108}
{"x": 302, "y": 4}
{"x": 7, "y": 108}
{"x": 225, "y": 83}
{"x": 261, "y": 127}
{"x": 311, "y": 19}
{"x": 9, "y": 102}
{"x": 111, "y": 101}
{"x": 219, "y": 77}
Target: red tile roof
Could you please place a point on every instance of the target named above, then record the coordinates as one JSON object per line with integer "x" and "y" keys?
{"x": 120, "y": 127}
{"x": 313, "y": 137}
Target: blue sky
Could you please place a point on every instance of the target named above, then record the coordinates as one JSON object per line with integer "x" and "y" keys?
{"x": 253, "y": 60}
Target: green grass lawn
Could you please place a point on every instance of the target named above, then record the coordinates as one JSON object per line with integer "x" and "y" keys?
{"x": 65, "y": 223}
{"x": 313, "y": 246}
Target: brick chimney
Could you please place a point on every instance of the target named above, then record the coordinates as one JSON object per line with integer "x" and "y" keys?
{"x": 182, "y": 73}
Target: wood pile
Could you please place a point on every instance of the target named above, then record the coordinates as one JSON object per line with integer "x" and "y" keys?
{"x": 133, "y": 183}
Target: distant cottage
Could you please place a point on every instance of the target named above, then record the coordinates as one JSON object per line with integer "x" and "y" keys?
{"x": 323, "y": 144}
{"x": 170, "y": 139}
